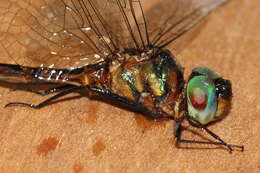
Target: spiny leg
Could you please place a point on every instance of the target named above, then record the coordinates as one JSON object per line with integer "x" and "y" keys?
{"x": 47, "y": 92}
{"x": 130, "y": 104}
{"x": 122, "y": 100}
{"x": 46, "y": 102}
{"x": 178, "y": 130}
{"x": 229, "y": 146}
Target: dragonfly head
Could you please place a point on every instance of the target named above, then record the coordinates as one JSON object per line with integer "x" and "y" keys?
{"x": 208, "y": 96}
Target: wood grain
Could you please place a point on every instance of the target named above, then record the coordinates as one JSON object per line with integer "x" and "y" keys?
{"x": 82, "y": 135}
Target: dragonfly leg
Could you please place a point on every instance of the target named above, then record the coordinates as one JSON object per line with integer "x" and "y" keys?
{"x": 119, "y": 99}
{"x": 130, "y": 104}
{"x": 47, "y": 92}
{"x": 178, "y": 130}
{"x": 46, "y": 102}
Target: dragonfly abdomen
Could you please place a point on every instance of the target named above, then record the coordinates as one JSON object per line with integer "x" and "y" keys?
{"x": 22, "y": 74}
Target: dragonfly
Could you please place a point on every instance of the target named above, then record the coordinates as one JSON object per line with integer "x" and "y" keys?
{"x": 115, "y": 49}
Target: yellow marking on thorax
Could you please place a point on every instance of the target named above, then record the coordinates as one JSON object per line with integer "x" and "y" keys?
{"x": 85, "y": 79}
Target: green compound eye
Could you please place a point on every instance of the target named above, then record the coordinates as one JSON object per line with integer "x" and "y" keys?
{"x": 202, "y": 100}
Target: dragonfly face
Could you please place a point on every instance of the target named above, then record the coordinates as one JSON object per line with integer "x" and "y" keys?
{"x": 115, "y": 48}
{"x": 208, "y": 96}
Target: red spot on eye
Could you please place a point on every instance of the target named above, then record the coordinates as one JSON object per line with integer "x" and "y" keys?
{"x": 198, "y": 99}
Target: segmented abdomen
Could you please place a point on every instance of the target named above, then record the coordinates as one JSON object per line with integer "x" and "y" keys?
{"x": 21, "y": 74}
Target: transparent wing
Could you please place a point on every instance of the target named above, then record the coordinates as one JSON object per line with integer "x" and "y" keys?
{"x": 169, "y": 19}
{"x": 140, "y": 23}
{"x": 73, "y": 33}
{"x": 59, "y": 33}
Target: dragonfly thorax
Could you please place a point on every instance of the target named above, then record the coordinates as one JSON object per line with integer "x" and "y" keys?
{"x": 154, "y": 80}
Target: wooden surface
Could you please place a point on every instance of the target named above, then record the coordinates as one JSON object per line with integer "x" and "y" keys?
{"x": 80, "y": 135}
